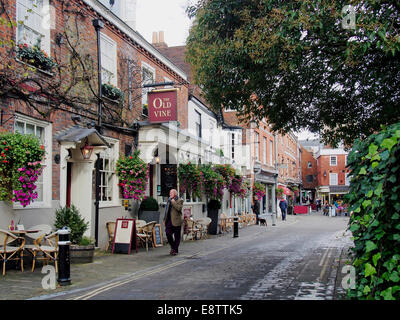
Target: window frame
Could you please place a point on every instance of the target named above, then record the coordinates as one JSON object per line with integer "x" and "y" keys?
{"x": 47, "y": 170}
{"x": 45, "y": 30}
{"x": 257, "y": 146}
{"x": 330, "y": 161}
{"x": 331, "y": 174}
{"x": 115, "y": 201}
{"x": 198, "y": 124}
{"x": 145, "y": 91}
{"x": 114, "y": 58}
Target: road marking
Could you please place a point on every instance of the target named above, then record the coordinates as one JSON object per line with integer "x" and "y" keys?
{"x": 122, "y": 282}
{"x": 325, "y": 265}
{"x": 324, "y": 256}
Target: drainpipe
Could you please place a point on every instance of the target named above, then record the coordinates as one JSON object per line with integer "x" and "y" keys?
{"x": 98, "y": 25}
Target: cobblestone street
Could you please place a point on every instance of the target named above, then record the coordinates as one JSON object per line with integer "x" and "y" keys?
{"x": 299, "y": 259}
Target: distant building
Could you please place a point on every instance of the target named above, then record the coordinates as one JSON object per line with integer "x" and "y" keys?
{"x": 324, "y": 171}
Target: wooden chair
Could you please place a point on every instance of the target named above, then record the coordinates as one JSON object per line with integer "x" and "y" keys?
{"x": 140, "y": 223}
{"x": 48, "y": 247}
{"x": 9, "y": 252}
{"x": 145, "y": 234}
{"x": 110, "y": 230}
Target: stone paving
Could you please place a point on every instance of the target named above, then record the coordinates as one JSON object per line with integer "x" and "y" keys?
{"x": 282, "y": 262}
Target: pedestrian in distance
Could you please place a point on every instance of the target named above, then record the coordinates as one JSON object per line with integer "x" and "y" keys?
{"x": 283, "y": 205}
{"x": 256, "y": 208}
{"x": 173, "y": 219}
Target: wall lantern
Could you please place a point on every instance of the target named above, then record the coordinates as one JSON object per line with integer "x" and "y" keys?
{"x": 86, "y": 150}
{"x": 324, "y": 173}
{"x": 157, "y": 159}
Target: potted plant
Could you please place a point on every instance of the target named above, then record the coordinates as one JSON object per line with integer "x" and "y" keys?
{"x": 82, "y": 248}
{"x": 148, "y": 210}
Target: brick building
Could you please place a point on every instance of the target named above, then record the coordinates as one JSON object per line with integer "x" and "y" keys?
{"x": 61, "y": 106}
{"x": 325, "y": 175}
{"x": 223, "y": 139}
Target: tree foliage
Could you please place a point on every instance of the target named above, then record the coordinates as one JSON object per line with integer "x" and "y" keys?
{"x": 295, "y": 64}
{"x": 374, "y": 198}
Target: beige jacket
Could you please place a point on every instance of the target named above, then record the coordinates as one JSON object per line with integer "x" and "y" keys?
{"x": 176, "y": 213}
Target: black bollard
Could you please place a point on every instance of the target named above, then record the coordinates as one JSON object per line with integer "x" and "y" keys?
{"x": 63, "y": 257}
{"x": 235, "y": 227}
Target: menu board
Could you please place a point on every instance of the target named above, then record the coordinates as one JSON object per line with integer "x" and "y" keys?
{"x": 168, "y": 178}
{"x": 124, "y": 236}
{"x": 157, "y": 236}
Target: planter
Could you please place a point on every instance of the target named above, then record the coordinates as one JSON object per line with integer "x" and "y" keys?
{"x": 149, "y": 216}
{"x": 81, "y": 254}
{"x": 213, "y": 227}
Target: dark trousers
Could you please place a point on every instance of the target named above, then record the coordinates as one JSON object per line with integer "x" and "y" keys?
{"x": 173, "y": 235}
{"x": 283, "y": 214}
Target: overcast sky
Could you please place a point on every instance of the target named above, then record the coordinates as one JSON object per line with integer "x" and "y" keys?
{"x": 163, "y": 15}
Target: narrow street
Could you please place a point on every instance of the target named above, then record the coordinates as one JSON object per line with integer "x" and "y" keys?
{"x": 296, "y": 260}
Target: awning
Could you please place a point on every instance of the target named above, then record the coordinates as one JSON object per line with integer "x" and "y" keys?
{"x": 78, "y": 134}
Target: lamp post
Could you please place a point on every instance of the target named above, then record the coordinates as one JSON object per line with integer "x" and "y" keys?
{"x": 98, "y": 25}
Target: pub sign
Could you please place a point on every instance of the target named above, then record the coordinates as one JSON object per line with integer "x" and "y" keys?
{"x": 162, "y": 106}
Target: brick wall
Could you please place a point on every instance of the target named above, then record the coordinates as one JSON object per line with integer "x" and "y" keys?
{"x": 325, "y": 167}
{"x": 307, "y": 157}
{"x": 86, "y": 45}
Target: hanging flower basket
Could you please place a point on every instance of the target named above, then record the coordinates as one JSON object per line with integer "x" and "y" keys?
{"x": 226, "y": 171}
{"x": 245, "y": 190}
{"x": 133, "y": 174}
{"x": 259, "y": 190}
{"x": 190, "y": 179}
{"x": 213, "y": 183}
{"x": 236, "y": 184}
{"x": 35, "y": 57}
{"x": 20, "y": 167}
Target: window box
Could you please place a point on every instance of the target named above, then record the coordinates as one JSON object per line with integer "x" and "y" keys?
{"x": 111, "y": 92}
{"x": 35, "y": 57}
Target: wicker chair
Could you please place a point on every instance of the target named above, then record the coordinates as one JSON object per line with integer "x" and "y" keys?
{"x": 8, "y": 252}
{"x": 48, "y": 247}
{"x": 192, "y": 229}
{"x": 203, "y": 225}
{"x": 110, "y": 229}
{"x": 145, "y": 234}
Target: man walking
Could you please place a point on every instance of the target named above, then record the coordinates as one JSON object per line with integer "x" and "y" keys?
{"x": 283, "y": 205}
{"x": 173, "y": 221}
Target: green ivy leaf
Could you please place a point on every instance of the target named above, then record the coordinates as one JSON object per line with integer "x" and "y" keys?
{"x": 366, "y": 290}
{"x": 369, "y": 270}
{"x": 387, "y": 294}
{"x": 394, "y": 276}
{"x": 366, "y": 203}
{"x": 389, "y": 143}
{"x": 363, "y": 171}
{"x": 370, "y": 246}
{"x": 374, "y": 164}
{"x": 375, "y": 258}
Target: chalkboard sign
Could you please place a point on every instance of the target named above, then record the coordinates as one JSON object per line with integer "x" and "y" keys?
{"x": 168, "y": 178}
{"x": 157, "y": 236}
{"x": 124, "y": 236}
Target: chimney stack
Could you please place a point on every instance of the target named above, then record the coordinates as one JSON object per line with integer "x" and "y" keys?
{"x": 158, "y": 40}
